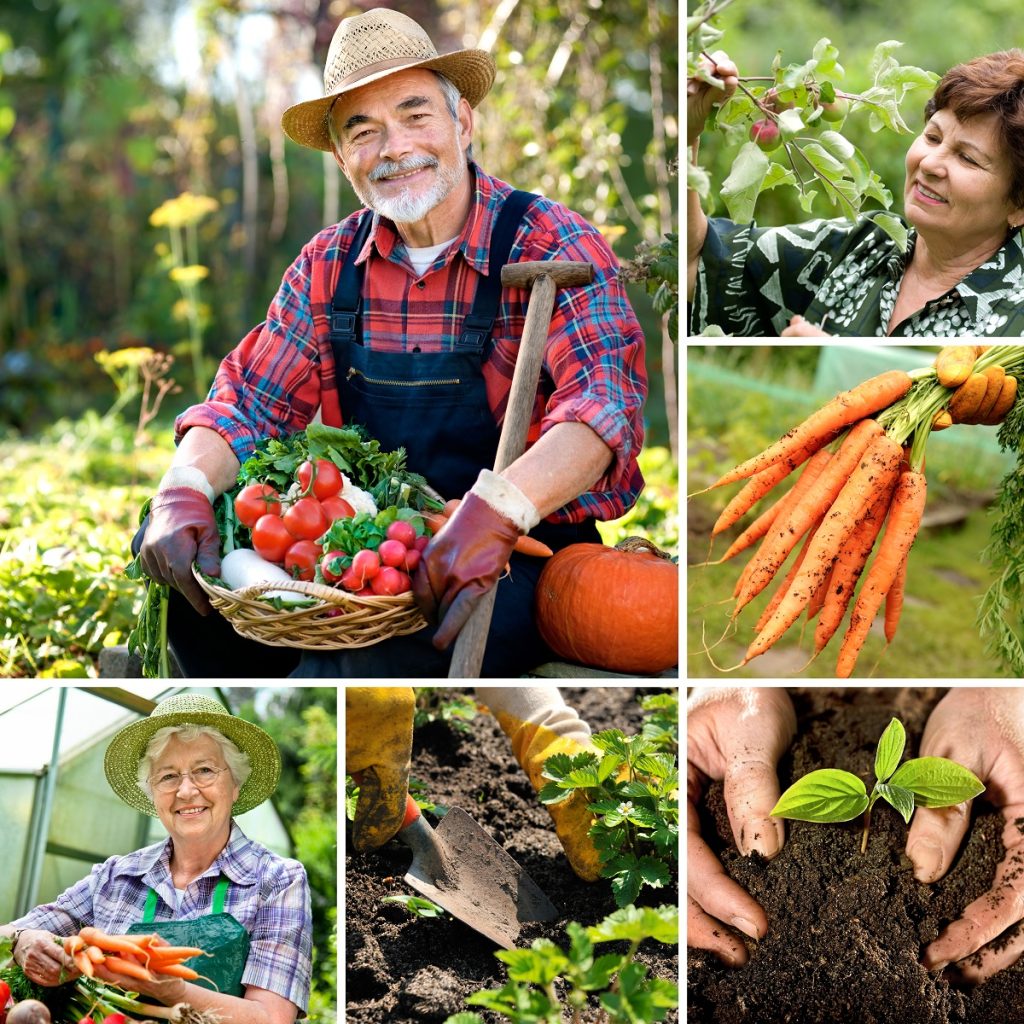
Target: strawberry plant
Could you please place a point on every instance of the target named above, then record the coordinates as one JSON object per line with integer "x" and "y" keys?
{"x": 623, "y": 990}
{"x": 437, "y": 704}
{"x": 830, "y": 795}
{"x": 632, "y": 790}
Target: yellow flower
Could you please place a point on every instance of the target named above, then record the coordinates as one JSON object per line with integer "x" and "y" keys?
{"x": 124, "y": 358}
{"x": 189, "y": 275}
{"x": 185, "y": 209}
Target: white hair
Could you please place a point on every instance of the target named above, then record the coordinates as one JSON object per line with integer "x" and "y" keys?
{"x": 236, "y": 760}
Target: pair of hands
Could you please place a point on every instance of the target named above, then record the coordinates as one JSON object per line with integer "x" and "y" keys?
{"x": 457, "y": 568}
{"x": 738, "y": 735}
{"x": 42, "y": 958}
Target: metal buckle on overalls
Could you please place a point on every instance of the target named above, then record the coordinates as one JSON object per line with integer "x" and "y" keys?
{"x": 475, "y": 332}
{"x": 343, "y": 323}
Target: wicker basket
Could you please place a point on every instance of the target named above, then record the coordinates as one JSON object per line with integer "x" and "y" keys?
{"x": 316, "y": 627}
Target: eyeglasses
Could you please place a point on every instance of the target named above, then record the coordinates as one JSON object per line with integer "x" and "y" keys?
{"x": 202, "y": 777}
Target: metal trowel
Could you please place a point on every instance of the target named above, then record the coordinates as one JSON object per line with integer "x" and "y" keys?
{"x": 462, "y": 868}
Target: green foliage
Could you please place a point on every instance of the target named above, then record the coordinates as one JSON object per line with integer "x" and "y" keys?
{"x": 830, "y": 795}
{"x": 632, "y": 791}
{"x": 439, "y": 704}
{"x": 416, "y": 905}
{"x": 622, "y": 987}
{"x": 655, "y": 516}
{"x": 661, "y": 719}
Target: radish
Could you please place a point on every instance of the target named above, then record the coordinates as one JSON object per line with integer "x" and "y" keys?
{"x": 244, "y": 568}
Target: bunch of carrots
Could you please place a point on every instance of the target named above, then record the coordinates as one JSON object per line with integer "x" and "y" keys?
{"x": 142, "y": 957}
{"x": 863, "y": 466}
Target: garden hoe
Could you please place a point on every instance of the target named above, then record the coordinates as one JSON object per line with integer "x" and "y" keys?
{"x": 544, "y": 276}
{"x": 462, "y": 868}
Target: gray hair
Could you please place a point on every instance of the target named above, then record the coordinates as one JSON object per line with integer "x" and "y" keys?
{"x": 450, "y": 92}
{"x": 236, "y": 760}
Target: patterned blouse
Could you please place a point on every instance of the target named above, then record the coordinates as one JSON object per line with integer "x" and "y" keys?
{"x": 844, "y": 276}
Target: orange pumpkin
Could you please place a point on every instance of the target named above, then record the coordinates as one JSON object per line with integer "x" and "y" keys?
{"x": 611, "y": 608}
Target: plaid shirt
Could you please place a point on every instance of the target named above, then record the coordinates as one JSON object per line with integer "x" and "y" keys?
{"x": 594, "y": 372}
{"x": 268, "y": 896}
{"x": 845, "y": 276}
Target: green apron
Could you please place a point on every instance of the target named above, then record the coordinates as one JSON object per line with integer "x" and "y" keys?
{"x": 216, "y": 933}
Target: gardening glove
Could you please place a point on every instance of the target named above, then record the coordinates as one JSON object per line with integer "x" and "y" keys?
{"x": 378, "y": 744}
{"x": 736, "y": 735}
{"x": 983, "y": 730}
{"x": 539, "y": 725}
{"x": 980, "y": 398}
{"x": 464, "y": 560}
{"x": 181, "y": 531}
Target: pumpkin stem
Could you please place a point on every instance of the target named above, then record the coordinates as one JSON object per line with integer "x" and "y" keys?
{"x": 637, "y": 545}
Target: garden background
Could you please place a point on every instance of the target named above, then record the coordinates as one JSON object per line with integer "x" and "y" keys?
{"x": 149, "y": 204}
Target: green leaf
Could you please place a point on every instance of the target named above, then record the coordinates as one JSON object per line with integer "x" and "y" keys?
{"x": 553, "y": 793}
{"x": 937, "y": 781}
{"x": 634, "y": 924}
{"x": 900, "y": 798}
{"x": 894, "y": 228}
{"x": 464, "y": 1017}
{"x": 824, "y": 795}
{"x": 416, "y": 905}
{"x": 612, "y": 741}
{"x": 539, "y": 965}
{"x": 557, "y": 767}
{"x": 743, "y": 185}
{"x": 698, "y": 180}
{"x": 890, "y": 750}
{"x": 790, "y": 123}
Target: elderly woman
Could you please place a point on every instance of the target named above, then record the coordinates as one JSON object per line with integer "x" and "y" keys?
{"x": 963, "y": 271}
{"x": 193, "y": 765}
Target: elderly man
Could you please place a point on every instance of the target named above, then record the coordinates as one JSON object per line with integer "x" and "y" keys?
{"x": 395, "y": 318}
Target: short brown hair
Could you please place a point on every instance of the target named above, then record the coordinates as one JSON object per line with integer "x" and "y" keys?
{"x": 993, "y": 84}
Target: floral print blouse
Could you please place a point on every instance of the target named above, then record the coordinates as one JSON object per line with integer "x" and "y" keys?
{"x": 844, "y": 276}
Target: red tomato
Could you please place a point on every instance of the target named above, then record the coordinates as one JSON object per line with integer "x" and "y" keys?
{"x": 271, "y": 539}
{"x": 412, "y": 559}
{"x": 301, "y": 558}
{"x": 390, "y": 581}
{"x": 402, "y": 531}
{"x": 366, "y": 563}
{"x": 337, "y": 508}
{"x": 325, "y": 478}
{"x": 392, "y": 552}
{"x": 421, "y": 543}
{"x": 254, "y": 501}
{"x": 306, "y": 519}
{"x": 332, "y": 566}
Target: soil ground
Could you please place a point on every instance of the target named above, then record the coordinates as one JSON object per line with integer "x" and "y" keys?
{"x": 405, "y": 970}
{"x": 846, "y": 929}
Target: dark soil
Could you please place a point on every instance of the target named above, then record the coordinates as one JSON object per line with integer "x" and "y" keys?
{"x": 405, "y": 970}
{"x": 846, "y": 929}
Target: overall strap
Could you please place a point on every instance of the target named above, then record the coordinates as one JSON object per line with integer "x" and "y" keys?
{"x": 479, "y": 322}
{"x": 150, "y": 912}
{"x": 219, "y": 893}
{"x": 347, "y": 300}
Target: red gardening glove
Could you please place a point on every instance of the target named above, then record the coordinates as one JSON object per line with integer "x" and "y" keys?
{"x": 461, "y": 564}
{"x": 181, "y": 531}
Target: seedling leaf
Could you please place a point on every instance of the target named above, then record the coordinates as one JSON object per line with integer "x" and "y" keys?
{"x": 416, "y": 905}
{"x": 540, "y": 964}
{"x": 634, "y": 924}
{"x": 890, "y": 750}
{"x": 824, "y": 795}
{"x": 900, "y": 798}
{"x": 937, "y": 781}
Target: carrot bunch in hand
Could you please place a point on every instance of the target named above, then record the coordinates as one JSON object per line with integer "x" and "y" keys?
{"x": 142, "y": 957}
{"x": 862, "y": 477}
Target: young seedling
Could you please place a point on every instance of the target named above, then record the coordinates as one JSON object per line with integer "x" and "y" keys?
{"x": 833, "y": 795}
{"x": 416, "y": 905}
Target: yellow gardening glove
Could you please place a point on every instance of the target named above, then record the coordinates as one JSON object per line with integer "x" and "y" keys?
{"x": 378, "y": 744}
{"x": 983, "y": 398}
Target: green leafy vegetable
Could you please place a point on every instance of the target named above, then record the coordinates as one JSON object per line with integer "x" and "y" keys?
{"x": 830, "y": 795}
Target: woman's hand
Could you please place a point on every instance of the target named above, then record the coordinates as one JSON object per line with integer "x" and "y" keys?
{"x": 983, "y": 729}
{"x": 42, "y": 958}
{"x": 736, "y": 735}
{"x": 168, "y": 990}
{"x": 701, "y": 97}
{"x": 800, "y": 328}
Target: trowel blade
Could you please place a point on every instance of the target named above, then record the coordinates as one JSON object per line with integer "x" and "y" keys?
{"x": 475, "y": 880}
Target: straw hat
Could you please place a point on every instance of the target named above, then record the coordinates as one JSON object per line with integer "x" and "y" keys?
{"x": 121, "y": 761}
{"x": 370, "y": 46}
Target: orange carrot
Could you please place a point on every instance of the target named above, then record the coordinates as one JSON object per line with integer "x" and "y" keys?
{"x": 436, "y": 521}
{"x": 894, "y": 602}
{"x": 848, "y": 567}
{"x": 822, "y": 426}
{"x": 176, "y": 971}
{"x": 172, "y": 953}
{"x": 112, "y": 943}
{"x": 902, "y": 525}
{"x": 786, "y": 531}
{"x": 817, "y": 600}
{"x": 879, "y": 464}
{"x": 95, "y": 954}
{"x": 128, "y": 968}
{"x": 83, "y": 963}
{"x": 756, "y": 488}
{"x": 783, "y": 588}
{"x": 525, "y": 545}
{"x": 73, "y": 944}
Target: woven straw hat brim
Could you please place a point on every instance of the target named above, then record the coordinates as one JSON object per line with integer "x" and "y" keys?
{"x": 121, "y": 761}
{"x": 471, "y": 71}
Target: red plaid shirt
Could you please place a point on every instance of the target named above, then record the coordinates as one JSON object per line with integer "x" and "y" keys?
{"x": 274, "y": 381}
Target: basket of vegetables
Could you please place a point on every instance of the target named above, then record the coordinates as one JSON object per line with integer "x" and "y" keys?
{"x": 319, "y": 539}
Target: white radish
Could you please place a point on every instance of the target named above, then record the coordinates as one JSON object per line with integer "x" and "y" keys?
{"x": 244, "y": 568}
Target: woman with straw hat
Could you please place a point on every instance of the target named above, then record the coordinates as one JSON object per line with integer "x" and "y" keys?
{"x": 194, "y": 765}
{"x": 396, "y": 319}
